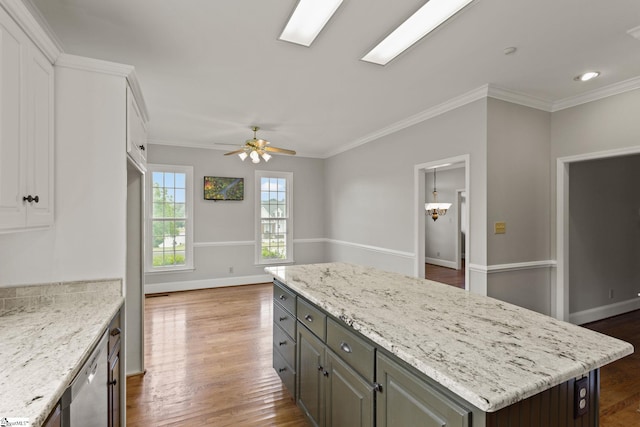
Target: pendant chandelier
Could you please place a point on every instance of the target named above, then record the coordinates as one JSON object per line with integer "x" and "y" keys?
{"x": 436, "y": 209}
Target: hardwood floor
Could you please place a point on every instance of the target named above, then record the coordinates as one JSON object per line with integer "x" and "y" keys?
{"x": 446, "y": 275}
{"x": 208, "y": 360}
{"x": 620, "y": 380}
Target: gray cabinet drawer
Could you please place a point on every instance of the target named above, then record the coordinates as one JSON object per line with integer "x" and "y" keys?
{"x": 312, "y": 318}
{"x": 356, "y": 352}
{"x": 284, "y": 319}
{"x": 285, "y": 345}
{"x": 285, "y": 371}
{"x": 285, "y": 297}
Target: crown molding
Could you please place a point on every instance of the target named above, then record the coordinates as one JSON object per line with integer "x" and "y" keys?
{"x": 430, "y": 113}
{"x": 93, "y": 65}
{"x": 28, "y": 17}
{"x": 83, "y": 63}
{"x": 594, "y": 95}
{"x": 519, "y": 98}
{"x": 184, "y": 143}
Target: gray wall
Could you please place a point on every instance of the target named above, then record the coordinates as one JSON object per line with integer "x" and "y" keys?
{"x": 440, "y": 235}
{"x": 224, "y": 232}
{"x": 370, "y": 190}
{"x": 518, "y": 193}
{"x": 604, "y": 232}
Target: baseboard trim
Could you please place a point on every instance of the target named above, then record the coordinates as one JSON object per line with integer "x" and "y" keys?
{"x": 190, "y": 285}
{"x": 599, "y": 313}
{"x": 441, "y": 262}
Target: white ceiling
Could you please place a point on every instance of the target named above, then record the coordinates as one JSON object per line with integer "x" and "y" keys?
{"x": 210, "y": 69}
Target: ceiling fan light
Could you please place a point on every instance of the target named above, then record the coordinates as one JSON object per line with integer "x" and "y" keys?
{"x": 255, "y": 158}
{"x": 266, "y": 156}
{"x": 243, "y": 156}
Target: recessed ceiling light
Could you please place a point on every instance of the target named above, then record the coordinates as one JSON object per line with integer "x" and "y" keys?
{"x": 308, "y": 19}
{"x": 587, "y": 76}
{"x": 421, "y": 23}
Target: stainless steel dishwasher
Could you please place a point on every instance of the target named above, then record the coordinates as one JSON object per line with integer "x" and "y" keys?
{"x": 84, "y": 402}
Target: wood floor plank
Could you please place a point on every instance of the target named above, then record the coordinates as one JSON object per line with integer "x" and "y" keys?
{"x": 620, "y": 380}
{"x": 208, "y": 360}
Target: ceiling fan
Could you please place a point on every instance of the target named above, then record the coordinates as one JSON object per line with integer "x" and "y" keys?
{"x": 256, "y": 148}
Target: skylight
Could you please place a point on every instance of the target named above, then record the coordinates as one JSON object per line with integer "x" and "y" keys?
{"x": 308, "y": 19}
{"x": 421, "y": 23}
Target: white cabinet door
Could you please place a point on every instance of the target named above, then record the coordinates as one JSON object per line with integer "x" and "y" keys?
{"x": 136, "y": 131}
{"x": 26, "y": 131}
{"x": 13, "y": 51}
{"x": 40, "y": 139}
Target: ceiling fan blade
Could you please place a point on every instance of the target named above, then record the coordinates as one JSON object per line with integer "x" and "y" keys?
{"x": 234, "y": 152}
{"x": 279, "y": 150}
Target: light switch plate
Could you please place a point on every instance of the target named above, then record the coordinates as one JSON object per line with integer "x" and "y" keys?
{"x": 500, "y": 227}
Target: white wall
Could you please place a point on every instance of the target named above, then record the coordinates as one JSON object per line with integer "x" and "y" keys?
{"x": 224, "y": 231}
{"x": 87, "y": 240}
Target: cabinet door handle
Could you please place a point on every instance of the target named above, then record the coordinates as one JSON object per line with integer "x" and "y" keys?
{"x": 325, "y": 373}
{"x": 377, "y": 387}
{"x": 282, "y": 369}
{"x": 308, "y": 318}
{"x": 30, "y": 199}
{"x": 281, "y": 343}
{"x": 141, "y": 147}
{"x": 282, "y": 297}
{"x": 345, "y": 347}
{"x": 115, "y": 331}
{"x": 114, "y": 382}
{"x": 283, "y": 318}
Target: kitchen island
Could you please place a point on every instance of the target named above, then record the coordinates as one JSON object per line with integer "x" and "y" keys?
{"x": 46, "y": 334}
{"x": 486, "y": 357}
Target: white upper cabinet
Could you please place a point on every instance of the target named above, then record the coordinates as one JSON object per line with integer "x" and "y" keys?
{"x": 136, "y": 132}
{"x": 26, "y": 131}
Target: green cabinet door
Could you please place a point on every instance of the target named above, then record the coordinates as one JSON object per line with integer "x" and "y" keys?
{"x": 406, "y": 400}
{"x": 311, "y": 375}
{"x": 349, "y": 399}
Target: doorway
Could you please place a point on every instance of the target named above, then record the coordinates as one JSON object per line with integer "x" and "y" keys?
{"x": 560, "y": 304}
{"x": 441, "y": 244}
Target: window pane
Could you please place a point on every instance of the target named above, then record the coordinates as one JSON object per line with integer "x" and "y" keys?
{"x": 180, "y": 196}
{"x": 169, "y": 180}
{"x": 158, "y": 179}
{"x": 180, "y": 180}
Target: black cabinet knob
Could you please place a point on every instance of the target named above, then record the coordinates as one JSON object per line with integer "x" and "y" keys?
{"x": 30, "y": 199}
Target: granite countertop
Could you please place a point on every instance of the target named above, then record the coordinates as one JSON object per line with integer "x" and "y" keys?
{"x": 46, "y": 333}
{"x": 489, "y": 352}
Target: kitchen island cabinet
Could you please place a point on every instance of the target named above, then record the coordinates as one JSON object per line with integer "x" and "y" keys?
{"x": 441, "y": 352}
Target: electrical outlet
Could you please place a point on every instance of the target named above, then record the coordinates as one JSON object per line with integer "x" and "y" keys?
{"x": 581, "y": 397}
{"x": 610, "y": 293}
{"x": 231, "y": 270}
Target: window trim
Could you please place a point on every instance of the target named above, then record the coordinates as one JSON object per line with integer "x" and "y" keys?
{"x": 189, "y": 219}
{"x": 288, "y": 176}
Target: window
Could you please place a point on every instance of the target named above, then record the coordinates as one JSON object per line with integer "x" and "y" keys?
{"x": 274, "y": 227}
{"x": 169, "y": 199}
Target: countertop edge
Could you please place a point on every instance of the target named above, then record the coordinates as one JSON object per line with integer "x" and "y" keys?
{"x": 117, "y": 304}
